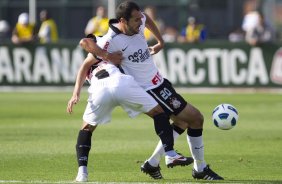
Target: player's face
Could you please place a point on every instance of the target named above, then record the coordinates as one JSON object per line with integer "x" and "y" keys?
{"x": 134, "y": 22}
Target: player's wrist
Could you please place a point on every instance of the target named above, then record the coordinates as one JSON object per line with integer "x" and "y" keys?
{"x": 106, "y": 56}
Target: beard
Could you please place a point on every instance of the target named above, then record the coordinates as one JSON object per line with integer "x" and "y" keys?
{"x": 133, "y": 31}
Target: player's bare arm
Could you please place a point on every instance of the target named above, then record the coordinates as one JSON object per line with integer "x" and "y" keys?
{"x": 154, "y": 29}
{"x": 80, "y": 79}
{"x": 90, "y": 46}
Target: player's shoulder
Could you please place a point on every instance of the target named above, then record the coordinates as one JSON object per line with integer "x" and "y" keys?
{"x": 108, "y": 37}
{"x": 115, "y": 32}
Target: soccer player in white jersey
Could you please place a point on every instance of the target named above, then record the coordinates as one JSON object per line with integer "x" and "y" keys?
{"x": 126, "y": 34}
{"x": 110, "y": 88}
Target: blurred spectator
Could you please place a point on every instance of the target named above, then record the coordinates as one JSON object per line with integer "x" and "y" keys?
{"x": 261, "y": 33}
{"x": 4, "y": 30}
{"x": 170, "y": 34}
{"x": 151, "y": 12}
{"x": 99, "y": 24}
{"x": 250, "y": 20}
{"x": 193, "y": 32}
{"x": 48, "y": 30}
{"x": 237, "y": 36}
{"x": 24, "y": 31}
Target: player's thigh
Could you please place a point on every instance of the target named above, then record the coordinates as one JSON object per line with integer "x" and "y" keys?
{"x": 99, "y": 108}
{"x": 134, "y": 99}
{"x": 189, "y": 116}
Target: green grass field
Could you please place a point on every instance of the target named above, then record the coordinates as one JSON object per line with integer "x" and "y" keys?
{"x": 38, "y": 137}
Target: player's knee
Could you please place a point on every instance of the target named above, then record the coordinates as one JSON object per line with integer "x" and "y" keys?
{"x": 88, "y": 127}
{"x": 197, "y": 120}
{"x": 200, "y": 119}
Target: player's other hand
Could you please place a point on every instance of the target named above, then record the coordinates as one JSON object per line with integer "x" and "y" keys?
{"x": 115, "y": 57}
{"x": 156, "y": 48}
{"x": 74, "y": 100}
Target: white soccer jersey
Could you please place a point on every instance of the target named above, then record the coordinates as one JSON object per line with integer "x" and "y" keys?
{"x": 103, "y": 69}
{"x": 137, "y": 59}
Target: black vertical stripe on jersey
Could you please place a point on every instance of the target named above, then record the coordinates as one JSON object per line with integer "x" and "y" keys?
{"x": 120, "y": 69}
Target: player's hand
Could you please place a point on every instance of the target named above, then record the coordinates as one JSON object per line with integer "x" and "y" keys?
{"x": 115, "y": 57}
{"x": 74, "y": 100}
{"x": 156, "y": 48}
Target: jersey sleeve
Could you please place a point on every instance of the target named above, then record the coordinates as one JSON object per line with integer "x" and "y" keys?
{"x": 106, "y": 43}
{"x": 112, "y": 47}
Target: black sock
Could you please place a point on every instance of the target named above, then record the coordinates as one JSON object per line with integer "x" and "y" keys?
{"x": 194, "y": 132}
{"x": 83, "y": 147}
{"x": 164, "y": 131}
{"x": 177, "y": 129}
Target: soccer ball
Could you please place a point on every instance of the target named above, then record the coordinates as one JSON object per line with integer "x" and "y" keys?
{"x": 225, "y": 116}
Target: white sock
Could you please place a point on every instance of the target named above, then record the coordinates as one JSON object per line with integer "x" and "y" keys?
{"x": 82, "y": 169}
{"x": 197, "y": 150}
{"x": 155, "y": 158}
{"x": 171, "y": 153}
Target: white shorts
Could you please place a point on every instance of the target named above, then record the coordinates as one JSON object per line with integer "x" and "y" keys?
{"x": 107, "y": 93}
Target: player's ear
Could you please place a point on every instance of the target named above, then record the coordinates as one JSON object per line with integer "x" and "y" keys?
{"x": 123, "y": 20}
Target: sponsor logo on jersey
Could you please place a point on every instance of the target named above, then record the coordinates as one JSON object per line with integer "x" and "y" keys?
{"x": 124, "y": 48}
{"x": 106, "y": 46}
{"x": 157, "y": 78}
{"x": 139, "y": 56}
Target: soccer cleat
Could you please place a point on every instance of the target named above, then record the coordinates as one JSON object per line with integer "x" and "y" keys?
{"x": 178, "y": 160}
{"x": 81, "y": 177}
{"x": 206, "y": 174}
{"x": 154, "y": 172}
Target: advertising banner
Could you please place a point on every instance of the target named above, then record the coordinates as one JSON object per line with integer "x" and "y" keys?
{"x": 186, "y": 65}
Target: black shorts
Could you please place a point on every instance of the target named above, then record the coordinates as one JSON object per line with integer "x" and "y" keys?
{"x": 168, "y": 98}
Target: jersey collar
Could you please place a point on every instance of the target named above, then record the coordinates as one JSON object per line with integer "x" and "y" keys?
{"x": 115, "y": 29}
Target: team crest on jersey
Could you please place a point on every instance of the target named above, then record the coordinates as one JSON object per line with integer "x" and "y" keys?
{"x": 175, "y": 103}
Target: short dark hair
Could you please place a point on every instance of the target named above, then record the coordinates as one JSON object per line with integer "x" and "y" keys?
{"x": 125, "y": 9}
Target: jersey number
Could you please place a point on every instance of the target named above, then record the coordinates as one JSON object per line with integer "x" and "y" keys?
{"x": 165, "y": 93}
